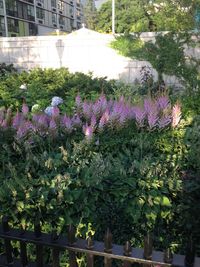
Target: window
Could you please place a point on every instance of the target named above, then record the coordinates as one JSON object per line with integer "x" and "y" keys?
{"x": 11, "y": 8}
{"x": 32, "y": 29}
{"x": 61, "y": 20}
{"x": 13, "y": 25}
{"x": 1, "y": 4}
{"x": 54, "y": 18}
{"x": 40, "y": 13}
{"x": 30, "y": 13}
{"x": 60, "y": 5}
{"x": 53, "y": 3}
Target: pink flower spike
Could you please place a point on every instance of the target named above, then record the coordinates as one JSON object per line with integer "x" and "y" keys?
{"x": 88, "y": 131}
{"x": 93, "y": 121}
{"x": 78, "y": 101}
{"x": 55, "y": 112}
{"x": 162, "y": 102}
{"x": 25, "y": 109}
{"x": 152, "y": 120}
{"x": 176, "y": 115}
{"x": 52, "y": 124}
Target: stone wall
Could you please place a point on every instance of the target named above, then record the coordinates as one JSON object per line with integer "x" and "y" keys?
{"x": 83, "y": 51}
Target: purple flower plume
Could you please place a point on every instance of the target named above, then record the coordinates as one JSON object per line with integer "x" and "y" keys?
{"x": 67, "y": 123}
{"x": 139, "y": 115}
{"x": 163, "y": 102}
{"x": 25, "y": 109}
{"x": 88, "y": 131}
{"x": 152, "y": 119}
{"x": 164, "y": 121}
{"x": 78, "y": 101}
{"x": 17, "y": 120}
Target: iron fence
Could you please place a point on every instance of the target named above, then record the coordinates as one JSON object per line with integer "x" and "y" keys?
{"x": 145, "y": 257}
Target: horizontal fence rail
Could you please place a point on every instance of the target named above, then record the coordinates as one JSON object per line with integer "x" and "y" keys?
{"x": 145, "y": 257}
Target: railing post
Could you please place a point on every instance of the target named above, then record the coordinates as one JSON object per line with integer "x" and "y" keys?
{"x": 190, "y": 254}
{"x": 168, "y": 257}
{"x": 90, "y": 257}
{"x": 148, "y": 248}
{"x": 7, "y": 242}
{"x": 127, "y": 252}
{"x": 55, "y": 251}
{"x": 23, "y": 254}
{"x": 39, "y": 248}
{"x": 71, "y": 241}
{"x": 108, "y": 248}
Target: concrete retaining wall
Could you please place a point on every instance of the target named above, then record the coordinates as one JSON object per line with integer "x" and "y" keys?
{"x": 83, "y": 51}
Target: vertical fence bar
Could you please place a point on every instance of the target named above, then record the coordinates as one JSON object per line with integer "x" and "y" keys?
{"x": 190, "y": 254}
{"x": 55, "y": 257}
{"x": 71, "y": 241}
{"x": 127, "y": 252}
{"x": 39, "y": 248}
{"x": 108, "y": 248}
{"x": 148, "y": 248}
{"x": 55, "y": 251}
{"x": 7, "y": 242}
{"x": 23, "y": 254}
{"x": 89, "y": 256}
{"x": 168, "y": 257}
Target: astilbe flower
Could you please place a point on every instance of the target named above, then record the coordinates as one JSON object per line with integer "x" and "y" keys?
{"x": 78, "y": 102}
{"x": 139, "y": 116}
{"x": 164, "y": 121}
{"x": 88, "y": 131}
{"x": 152, "y": 119}
{"x": 149, "y": 106}
{"x": 55, "y": 112}
{"x": 24, "y": 129}
{"x": 52, "y": 124}
{"x": 93, "y": 121}
{"x": 76, "y": 121}
{"x": 17, "y": 120}
{"x": 176, "y": 115}
{"x": 66, "y": 122}
{"x": 25, "y": 109}
{"x": 163, "y": 102}
{"x": 87, "y": 110}
{"x": 103, "y": 120}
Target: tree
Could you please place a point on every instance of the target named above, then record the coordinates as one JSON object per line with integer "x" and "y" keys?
{"x": 90, "y": 14}
{"x": 148, "y": 15}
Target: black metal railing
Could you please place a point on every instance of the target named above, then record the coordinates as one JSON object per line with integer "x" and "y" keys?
{"x": 145, "y": 257}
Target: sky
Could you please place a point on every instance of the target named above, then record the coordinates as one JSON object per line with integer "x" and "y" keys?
{"x": 98, "y": 3}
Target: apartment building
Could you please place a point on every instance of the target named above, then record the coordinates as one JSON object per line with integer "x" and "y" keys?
{"x": 39, "y": 17}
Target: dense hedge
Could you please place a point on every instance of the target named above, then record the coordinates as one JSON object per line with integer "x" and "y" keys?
{"x": 129, "y": 178}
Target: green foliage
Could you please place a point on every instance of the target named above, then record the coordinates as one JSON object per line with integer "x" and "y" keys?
{"x": 129, "y": 176}
{"x": 90, "y": 14}
{"x": 166, "y": 55}
{"x": 146, "y": 15}
{"x": 42, "y": 85}
{"x": 6, "y": 70}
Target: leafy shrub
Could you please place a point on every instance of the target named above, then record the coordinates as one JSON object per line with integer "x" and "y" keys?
{"x": 128, "y": 173}
{"x": 42, "y": 85}
{"x": 6, "y": 70}
{"x": 166, "y": 55}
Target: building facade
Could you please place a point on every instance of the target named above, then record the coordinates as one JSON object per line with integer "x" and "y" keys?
{"x": 39, "y": 17}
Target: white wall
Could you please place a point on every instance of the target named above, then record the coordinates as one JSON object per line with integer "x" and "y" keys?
{"x": 83, "y": 51}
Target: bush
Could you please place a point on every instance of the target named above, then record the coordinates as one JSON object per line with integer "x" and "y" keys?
{"x": 128, "y": 172}
{"x": 6, "y": 70}
{"x": 38, "y": 86}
